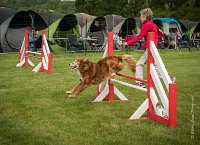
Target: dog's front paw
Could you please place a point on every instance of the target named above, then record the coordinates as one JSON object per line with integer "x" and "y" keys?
{"x": 71, "y": 96}
{"x": 68, "y": 92}
{"x": 113, "y": 75}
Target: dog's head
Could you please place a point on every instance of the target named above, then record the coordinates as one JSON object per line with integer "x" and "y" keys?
{"x": 75, "y": 64}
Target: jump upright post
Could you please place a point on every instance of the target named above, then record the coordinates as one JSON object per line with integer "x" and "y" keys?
{"x": 108, "y": 93}
{"x": 163, "y": 111}
{"x": 45, "y": 56}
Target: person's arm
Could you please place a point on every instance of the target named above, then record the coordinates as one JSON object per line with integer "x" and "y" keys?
{"x": 160, "y": 34}
{"x": 143, "y": 32}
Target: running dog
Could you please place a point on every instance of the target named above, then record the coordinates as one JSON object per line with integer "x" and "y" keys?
{"x": 92, "y": 73}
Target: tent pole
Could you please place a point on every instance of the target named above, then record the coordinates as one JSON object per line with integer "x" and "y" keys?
{"x": 84, "y": 41}
{"x": 82, "y": 26}
{"x": 49, "y": 23}
{"x": 34, "y": 32}
{"x": 127, "y": 28}
{"x": 113, "y": 23}
{"x": 189, "y": 33}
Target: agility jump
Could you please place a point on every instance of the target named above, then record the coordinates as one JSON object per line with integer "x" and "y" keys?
{"x": 45, "y": 56}
{"x": 164, "y": 111}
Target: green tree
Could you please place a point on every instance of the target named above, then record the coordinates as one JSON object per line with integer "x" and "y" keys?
{"x": 181, "y": 9}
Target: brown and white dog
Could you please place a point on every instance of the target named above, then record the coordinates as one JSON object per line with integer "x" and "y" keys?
{"x": 94, "y": 73}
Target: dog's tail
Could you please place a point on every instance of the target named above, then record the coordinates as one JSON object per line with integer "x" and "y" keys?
{"x": 130, "y": 60}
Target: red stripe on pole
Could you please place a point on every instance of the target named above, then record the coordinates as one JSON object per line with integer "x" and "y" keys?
{"x": 110, "y": 44}
{"x": 111, "y": 92}
{"x": 150, "y": 60}
{"x": 132, "y": 78}
{"x": 172, "y": 105}
{"x": 26, "y": 48}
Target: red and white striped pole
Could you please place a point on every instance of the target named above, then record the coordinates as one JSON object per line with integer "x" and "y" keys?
{"x": 42, "y": 53}
{"x": 150, "y": 84}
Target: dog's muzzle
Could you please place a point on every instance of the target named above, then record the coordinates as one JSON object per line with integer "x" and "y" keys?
{"x": 73, "y": 65}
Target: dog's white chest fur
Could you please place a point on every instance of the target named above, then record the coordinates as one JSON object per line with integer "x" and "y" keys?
{"x": 79, "y": 74}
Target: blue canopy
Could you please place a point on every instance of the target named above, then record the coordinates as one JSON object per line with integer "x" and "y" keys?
{"x": 167, "y": 20}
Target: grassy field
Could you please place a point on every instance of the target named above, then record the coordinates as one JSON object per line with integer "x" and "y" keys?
{"x": 34, "y": 109}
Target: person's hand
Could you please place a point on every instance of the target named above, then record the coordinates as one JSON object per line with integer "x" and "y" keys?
{"x": 125, "y": 44}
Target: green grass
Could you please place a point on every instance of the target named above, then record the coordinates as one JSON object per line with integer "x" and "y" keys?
{"x": 36, "y": 111}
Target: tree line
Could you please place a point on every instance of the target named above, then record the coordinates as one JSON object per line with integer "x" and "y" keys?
{"x": 181, "y": 9}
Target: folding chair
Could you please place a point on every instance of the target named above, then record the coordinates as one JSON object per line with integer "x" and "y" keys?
{"x": 72, "y": 42}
